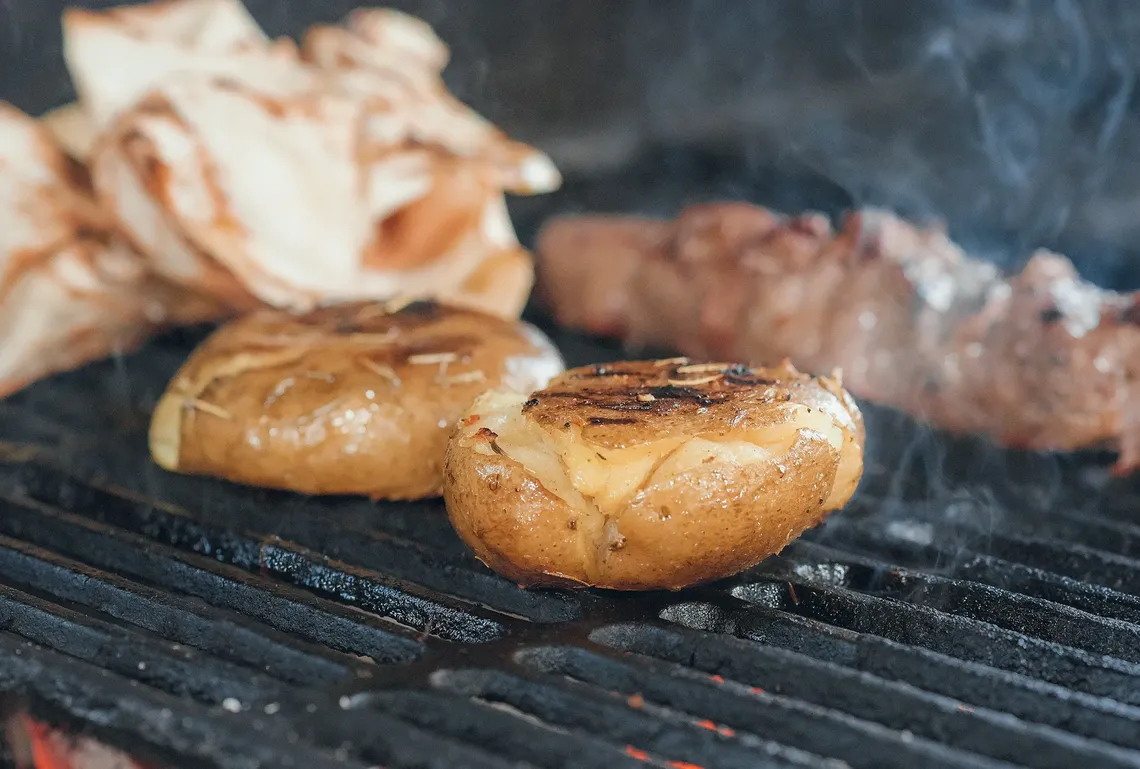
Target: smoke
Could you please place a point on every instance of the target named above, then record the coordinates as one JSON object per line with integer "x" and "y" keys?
{"x": 1014, "y": 121}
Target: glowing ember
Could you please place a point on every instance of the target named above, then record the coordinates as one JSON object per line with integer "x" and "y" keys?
{"x": 633, "y": 752}
{"x": 713, "y": 727}
{"x": 35, "y": 745}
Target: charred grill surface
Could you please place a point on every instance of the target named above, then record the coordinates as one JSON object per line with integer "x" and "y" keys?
{"x": 972, "y": 608}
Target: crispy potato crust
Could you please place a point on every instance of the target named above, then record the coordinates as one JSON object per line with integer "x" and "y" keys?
{"x": 349, "y": 399}
{"x": 650, "y": 475}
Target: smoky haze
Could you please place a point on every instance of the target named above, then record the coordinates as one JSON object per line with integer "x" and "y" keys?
{"x": 1015, "y": 121}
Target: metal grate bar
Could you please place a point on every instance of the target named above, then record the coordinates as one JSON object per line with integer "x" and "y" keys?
{"x": 170, "y": 616}
{"x": 723, "y": 705}
{"x": 952, "y": 635}
{"x": 308, "y": 729}
{"x": 1023, "y": 614}
{"x": 893, "y": 704}
{"x": 170, "y": 667}
{"x": 1091, "y": 528}
{"x": 234, "y": 588}
{"x": 671, "y": 740}
{"x": 962, "y": 563}
{"x": 294, "y": 536}
{"x": 504, "y": 731}
{"x": 1014, "y": 577}
{"x": 397, "y": 744}
{"x": 412, "y": 541}
{"x": 115, "y": 709}
{"x": 972, "y": 683}
{"x": 1078, "y": 561}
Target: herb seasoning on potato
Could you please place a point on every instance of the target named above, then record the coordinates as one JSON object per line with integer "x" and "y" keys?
{"x": 349, "y": 399}
{"x": 650, "y": 475}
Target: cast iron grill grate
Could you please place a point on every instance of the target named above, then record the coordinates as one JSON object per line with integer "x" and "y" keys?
{"x": 200, "y": 624}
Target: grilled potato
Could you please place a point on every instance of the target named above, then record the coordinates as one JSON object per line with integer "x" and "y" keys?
{"x": 349, "y": 399}
{"x": 650, "y": 475}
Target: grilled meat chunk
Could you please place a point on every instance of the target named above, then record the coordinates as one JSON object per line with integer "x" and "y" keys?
{"x": 1038, "y": 360}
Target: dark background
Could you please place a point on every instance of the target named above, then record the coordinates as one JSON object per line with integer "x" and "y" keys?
{"x": 1015, "y": 121}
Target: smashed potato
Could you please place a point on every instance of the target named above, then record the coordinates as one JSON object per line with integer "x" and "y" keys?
{"x": 650, "y": 475}
{"x": 349, "y": 399}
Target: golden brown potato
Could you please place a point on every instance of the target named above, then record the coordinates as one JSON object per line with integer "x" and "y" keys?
{"x": 649, "y": 475}
{"x": 349, "y": 399}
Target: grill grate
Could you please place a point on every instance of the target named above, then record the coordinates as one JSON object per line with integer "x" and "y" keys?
{"x": 201, "y": 624}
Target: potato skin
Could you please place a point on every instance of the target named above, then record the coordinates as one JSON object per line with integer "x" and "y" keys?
{"x": 706, "y": 523}
{"x": 311, "y": 404}
{"x": 514, "y": 525}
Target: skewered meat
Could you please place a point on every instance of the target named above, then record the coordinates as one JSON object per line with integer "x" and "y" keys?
{"x": 70, "y": 290}
{"x": 1038, "y": 360}
{"x": 252, "y": 173}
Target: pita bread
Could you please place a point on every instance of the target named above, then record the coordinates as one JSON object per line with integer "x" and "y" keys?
{"x": 247, "y": 173}
{"x": 70, "y": 290}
